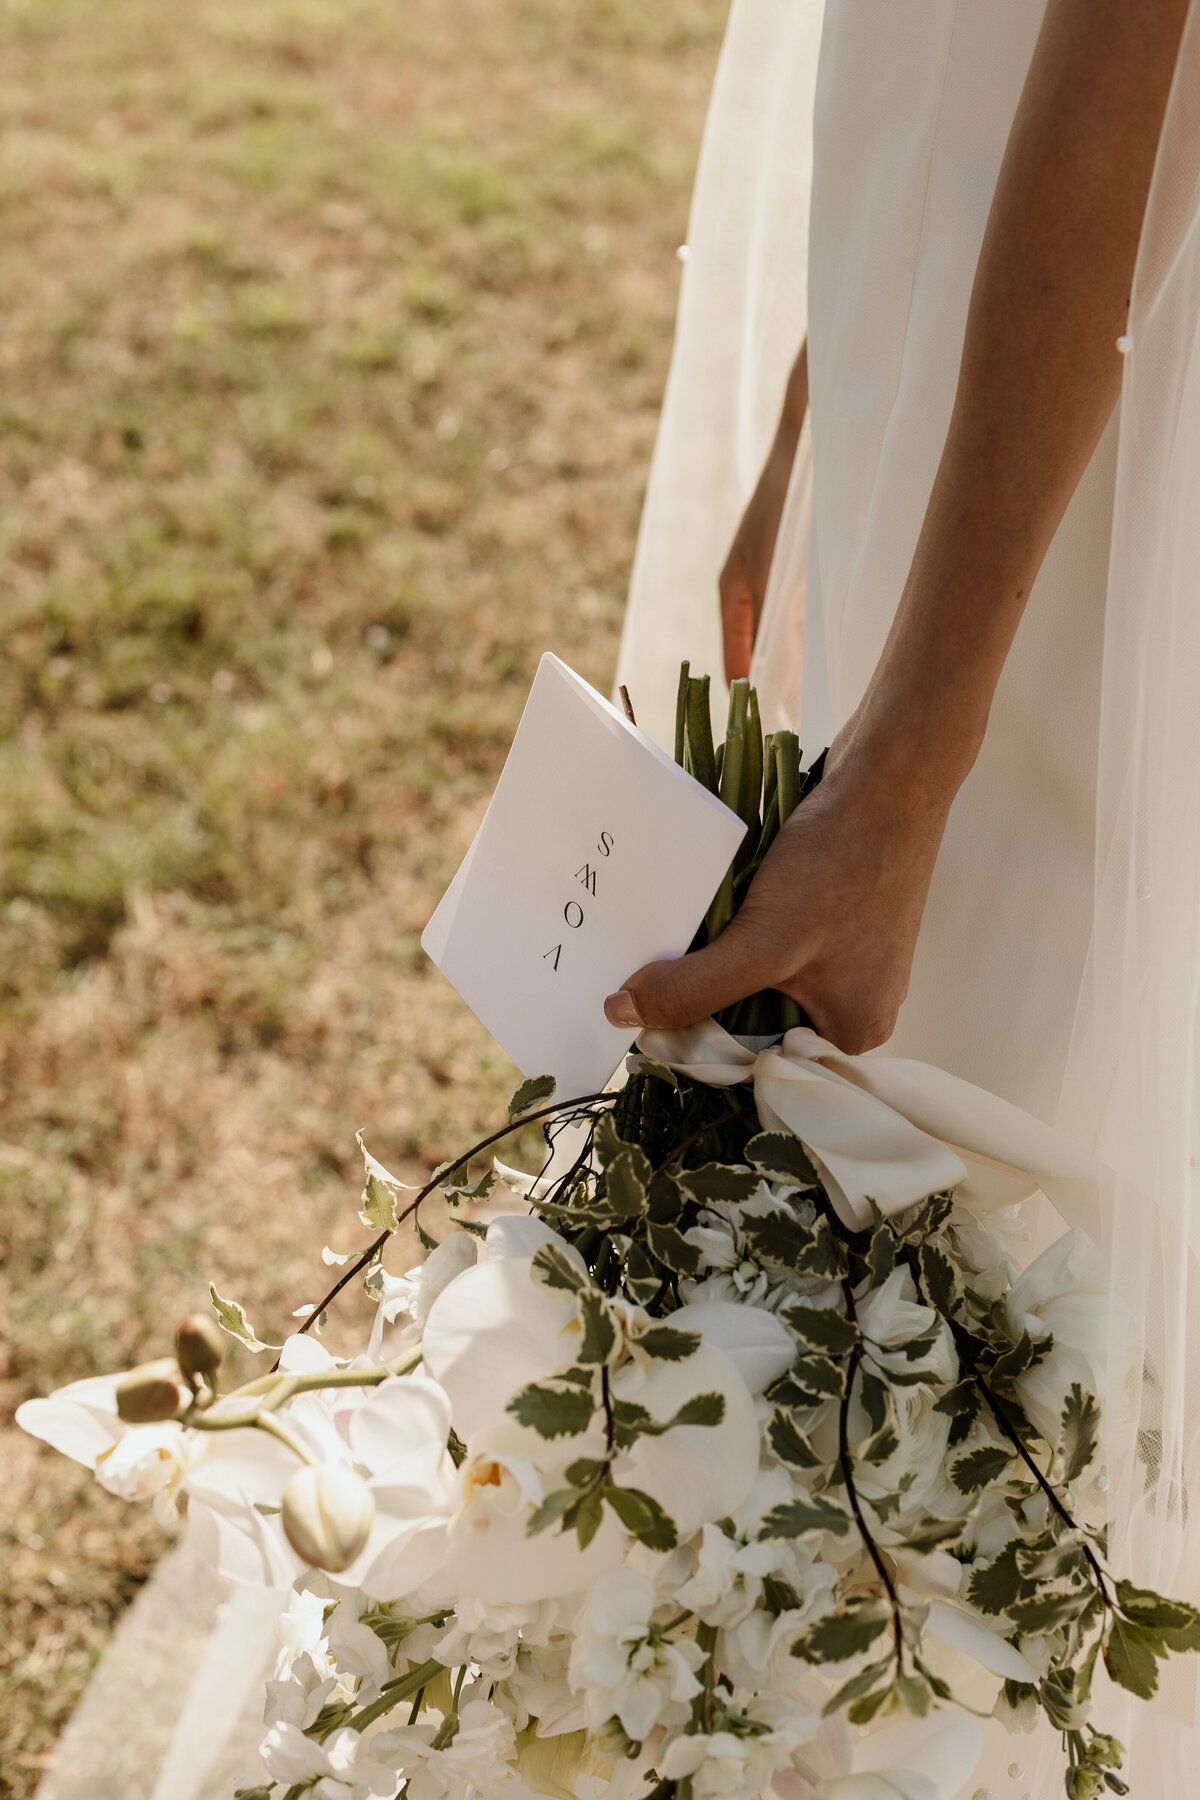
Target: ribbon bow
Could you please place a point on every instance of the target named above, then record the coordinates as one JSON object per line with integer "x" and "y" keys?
{"x": 890, "y": 1130}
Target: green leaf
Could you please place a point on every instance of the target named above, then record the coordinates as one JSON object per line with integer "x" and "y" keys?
{"x": 585, "y": 1470}
{"x": 626, "y": 1178}
{"x": 599, "y": 1332}
{"x": 881, "y": 1255}
{"x": 878, "y": 1400}
{"x": 779, "y": 1596}
{"x": 641, "y": 1277}
{"x": 1177, "y": 1623}
{"x": 940, "y": 1279}
{"x": 378, "y": 1208}
{"x": 1079, "y": 1436}
{"x": 997, "y": 1585}
{"x": 778, "y": 1237}
{"x": 552, "y": 1508}
{"x": 558, "y": 1270}
{"x": 781, "y": 1157}
{"x": 861, "y": 1712}
{"x": 714, "y": 1184}
{"x": 586, "y": 1517}
{"x": 963, "y": 1402}
{"x": 931, "y": 1533}
{"x": 1049, "y": 1609}
{"x": 530, "y": 1096}
{"x": 644, "y": 1517}
{"x": 848, "y": 1631}
{"x": 1020, "y": 1357}
{"x": 790, "y": 1444}
{"x": 880, "y": 1445}
{"x": 701, "y": 1409}
{"x": 818, "y": 1379}
{"x": 553, "y": 1409}
{"x": 1130, "y": 1658}
{"x": 669, "y": 1343}
{"x": 803, "y": 1515}
{"x": 231, "y": 1317}
{"x": 636, "y": 1064}
{"x": 914, "y": 1694}
{"x": 982, "y": 1467}
{"x": 821, "y": 1328}
{"x": 824, "y": 1255}
{"x": 673, "y": 1250}
{"x": 859, "y": 1684}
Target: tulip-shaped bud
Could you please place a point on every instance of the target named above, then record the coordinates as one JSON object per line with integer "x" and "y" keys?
{"x": 327, "y": 1515}
{"x": 152, "y": 1392}
{"x": 198, "y": 1345}
{"x": 1106, "y": 1750}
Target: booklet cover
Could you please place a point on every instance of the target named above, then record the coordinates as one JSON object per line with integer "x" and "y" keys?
{"x": 597, "y": 854}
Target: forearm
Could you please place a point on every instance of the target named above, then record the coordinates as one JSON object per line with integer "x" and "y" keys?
{"x": 1039, "y": 376}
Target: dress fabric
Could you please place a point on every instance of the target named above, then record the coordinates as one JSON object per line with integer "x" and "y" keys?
{"x": 1059, "y": 957}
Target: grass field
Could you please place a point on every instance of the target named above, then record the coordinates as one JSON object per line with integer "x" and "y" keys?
{"x": 331, "y": 343}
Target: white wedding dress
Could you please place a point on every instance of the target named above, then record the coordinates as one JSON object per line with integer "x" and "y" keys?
{"x": 1059, "y": 962}
{"x": 847, "y": 172}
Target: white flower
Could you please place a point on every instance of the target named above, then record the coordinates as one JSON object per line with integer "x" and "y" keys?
{"x": 622, "y": 1667}
{"x": 409, "y": 1297}
{"x": 918, "y": 1759}
{"x": 358, "y": 1654}
{"x": 490, "y": 1635}
{"x": 135, "y": 1462}
{"x": 1061, "y": 1293}
{"x": 298, "y": 1699}
{"x": 478, "y": 1756}
{"x": 728, "y": 1765}
{"x": 342, "y": 1768}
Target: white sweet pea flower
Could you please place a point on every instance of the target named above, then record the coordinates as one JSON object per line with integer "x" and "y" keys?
{"x": 405, "y": 1300}
{"x": 918, "y": 1759}
{"x": 477, "y": 1758}
{"x": 359, "y": 1655}
{"x": 891, "y": 1318}
{"x": 732, "y": 1765}
{"x": 342, "y": 1768}
{"x": 1061, "y": 1293}
{"x": 622, "y": 1667}
{"x": 297, "y": 1699}
{"x": 491, "y": 1635}
{"x": 135, "y": 1462}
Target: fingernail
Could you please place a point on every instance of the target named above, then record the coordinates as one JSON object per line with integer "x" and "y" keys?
{"x": 621, "y": 1009}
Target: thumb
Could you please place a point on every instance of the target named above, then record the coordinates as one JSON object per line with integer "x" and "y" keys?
{"x": 667, "y": 995}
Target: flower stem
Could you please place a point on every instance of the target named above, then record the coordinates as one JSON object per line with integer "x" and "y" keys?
{"x": 398, "y": 1691}
{"x": 847, "y": 1467}
{"x": 286, "y": 1435}
{"x": 372, "y": 1251}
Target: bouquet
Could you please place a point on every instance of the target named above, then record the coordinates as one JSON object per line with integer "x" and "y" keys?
{"x": 669, "y": 1464}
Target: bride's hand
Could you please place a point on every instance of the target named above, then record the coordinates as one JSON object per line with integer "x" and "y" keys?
{"x": 831, "y": 918}
{"x": 743, "y": 580}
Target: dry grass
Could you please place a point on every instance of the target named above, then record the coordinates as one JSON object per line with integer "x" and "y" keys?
{"x": 330, "y": 351}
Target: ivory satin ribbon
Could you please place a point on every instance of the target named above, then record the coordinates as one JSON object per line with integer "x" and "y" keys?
{"x": 892, "y": 1130}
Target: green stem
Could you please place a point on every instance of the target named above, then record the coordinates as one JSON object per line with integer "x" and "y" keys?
{"x": 397, "y": 1691}
{"x": 373, "y": 1249}
{"x": 273, "y": 1390}
{"x": 681, "y": 699}
{"x": 847, "y": 1467}
{"x": 286, "y": 1435}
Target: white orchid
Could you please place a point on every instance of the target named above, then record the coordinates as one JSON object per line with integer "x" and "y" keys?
{"x": 135, "y": 1462}
{"x": 918, "y": 1759}
{"x": 404, "y": 1300}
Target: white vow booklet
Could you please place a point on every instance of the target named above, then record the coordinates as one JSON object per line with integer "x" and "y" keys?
{"x": 597, "y": 854}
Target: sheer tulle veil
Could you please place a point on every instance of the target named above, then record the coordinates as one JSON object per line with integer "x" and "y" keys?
{"x": 156, "y": 1720}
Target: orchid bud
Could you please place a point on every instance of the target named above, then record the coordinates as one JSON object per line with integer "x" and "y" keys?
{"x": 1084, "y": 1783}
{"x": 327, "y": 1515}
{"x": 152, "y": 1392}
{"x": 198, "y": 1345}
